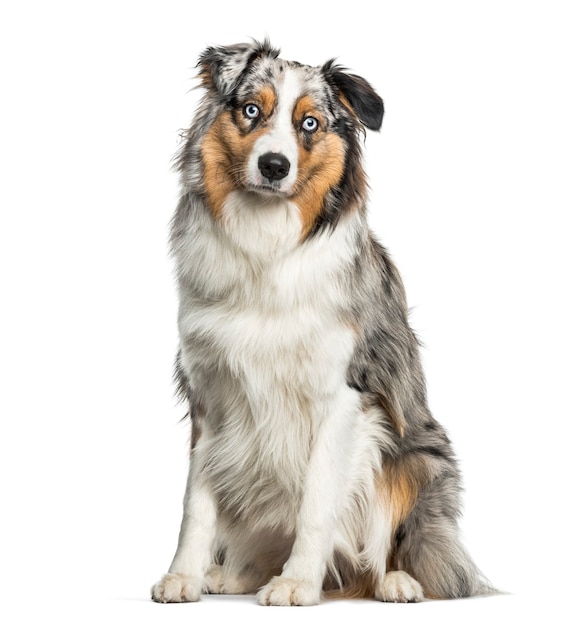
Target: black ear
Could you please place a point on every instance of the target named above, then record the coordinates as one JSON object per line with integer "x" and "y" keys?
{"x": 223, "y": 67}
{"x": 365, "y": 101}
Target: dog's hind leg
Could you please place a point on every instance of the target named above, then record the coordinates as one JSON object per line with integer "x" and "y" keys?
{"x": 427, "y": 546}
{"x": 419, "y": 491}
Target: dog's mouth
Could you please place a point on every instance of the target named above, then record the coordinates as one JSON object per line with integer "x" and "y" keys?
{"x": 268, "y": 189}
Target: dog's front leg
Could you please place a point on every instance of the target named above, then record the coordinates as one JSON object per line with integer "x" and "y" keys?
{"x": 185, "y": 578}
{"x": 325, "y": 495}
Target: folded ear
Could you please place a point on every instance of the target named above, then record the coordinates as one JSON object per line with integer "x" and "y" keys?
{"x": 222, "y": 68}
{"x": 363, "y": 99}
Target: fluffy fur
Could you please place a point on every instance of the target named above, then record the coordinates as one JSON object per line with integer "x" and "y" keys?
{"x": 316, "y": 465}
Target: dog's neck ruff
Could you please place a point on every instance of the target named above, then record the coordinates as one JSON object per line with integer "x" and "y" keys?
{"x": 261, "y": 226}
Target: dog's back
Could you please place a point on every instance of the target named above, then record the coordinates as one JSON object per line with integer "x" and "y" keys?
{"x": 315, "y": 460}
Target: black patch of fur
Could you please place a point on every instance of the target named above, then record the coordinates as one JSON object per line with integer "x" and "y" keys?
{"x": 436, "y": 451}
{"x": 400, "y": 536}
{"x": 367, "y": 104}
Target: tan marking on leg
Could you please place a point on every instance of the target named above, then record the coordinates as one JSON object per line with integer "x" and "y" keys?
{"x": 398, "y": 486}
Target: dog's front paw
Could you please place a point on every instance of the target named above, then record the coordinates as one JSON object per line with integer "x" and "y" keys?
{"x": 176, "y": 588}
{"x": 282, "y": 591}
{"x": 399, "y": 587}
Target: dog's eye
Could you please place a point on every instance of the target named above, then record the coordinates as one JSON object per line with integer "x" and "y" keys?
{"x": 251, "y": 111}
{"x": 310, "y": 124}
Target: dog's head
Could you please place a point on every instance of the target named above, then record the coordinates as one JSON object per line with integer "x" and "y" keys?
{"x": 278, "y": 128}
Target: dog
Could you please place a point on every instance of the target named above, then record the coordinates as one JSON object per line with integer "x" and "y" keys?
{"x": 316, "y": 467}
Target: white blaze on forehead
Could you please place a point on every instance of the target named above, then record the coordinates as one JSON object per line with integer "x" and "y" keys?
{"x": 281, "y": 139}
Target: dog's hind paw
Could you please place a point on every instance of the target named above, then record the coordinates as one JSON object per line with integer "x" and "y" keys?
{"x": 399, "y": 587}
{"x": 282, "y": 591}
{"x": 176, "y": 588}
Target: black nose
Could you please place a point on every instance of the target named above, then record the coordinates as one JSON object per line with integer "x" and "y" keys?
{"x": 273, "y": 166}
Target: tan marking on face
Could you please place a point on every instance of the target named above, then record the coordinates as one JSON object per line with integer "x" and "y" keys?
{"x": 265, "y": 99}
{"x": 225, "y": 151}
{"x": 319, "y": 170}
{"x": 320, "y": 164}
{"x": 305, "y": 107}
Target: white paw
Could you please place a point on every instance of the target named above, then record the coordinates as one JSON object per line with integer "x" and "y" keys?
{"x": 399, "y": 587}
{"x": 176, "y": 588}
{"x": 281, "y": 591}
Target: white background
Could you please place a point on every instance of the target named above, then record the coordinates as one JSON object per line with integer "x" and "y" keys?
{"x": 477, "y": 192}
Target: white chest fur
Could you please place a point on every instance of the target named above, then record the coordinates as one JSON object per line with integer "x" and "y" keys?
{"x": 265, "y": 345}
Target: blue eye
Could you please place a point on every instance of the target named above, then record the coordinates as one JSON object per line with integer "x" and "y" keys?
{"x": 310, "y": 124}
{"x": 251, "y": 111}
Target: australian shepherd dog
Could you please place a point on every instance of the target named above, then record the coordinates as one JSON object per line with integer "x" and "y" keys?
{"x": 316, "y": 467}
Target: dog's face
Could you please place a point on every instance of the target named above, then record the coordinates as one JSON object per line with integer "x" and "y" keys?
{"x": 282, "y": 129}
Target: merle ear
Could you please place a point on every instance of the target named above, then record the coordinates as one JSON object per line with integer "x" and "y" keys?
{"x": 365, "y": 101}
{"x": 223, "y": 67}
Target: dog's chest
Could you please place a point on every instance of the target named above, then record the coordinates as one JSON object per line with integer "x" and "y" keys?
{"x": 268, "y": 358}
{"x": 265, "y": 310}
{"x": 273, "y": 373}
{"x": 269, "y": 398}
{"x": 281, "y": 338}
